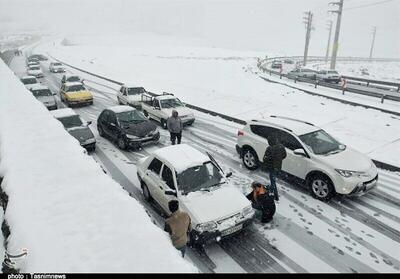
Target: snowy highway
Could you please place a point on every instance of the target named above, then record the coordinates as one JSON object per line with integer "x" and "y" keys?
{"x": 345, "y": 235}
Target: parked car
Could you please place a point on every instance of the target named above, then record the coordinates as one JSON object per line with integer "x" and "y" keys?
{"x": 75, "y": 93}
{"x": 44, "y": 95}
{"x": 130, "y": 95}
{"x": 160, "y": 108}
{"x": 56, "y": 67}
{"x": 127, "y": 126}
{"x": 71, "y": 78}
{"x": 30, "y": 64}
{"x": 39, "y": 57}
{"x": 28, "y": 81}
{"x": 32, "y": 59}
{"x": 288, "y": 61}
{"x": 35, "y": 71}
{"x": 77, "y": 127}
{"x": 303, "y": 73}
{"x": 182, "y": 173}
{"x": 276, "y": 64}
{"x": 326, "y": 166}
{"x": 328, "y": 76}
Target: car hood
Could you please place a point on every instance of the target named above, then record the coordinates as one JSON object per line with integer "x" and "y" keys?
{"x": 215, "y": 205}
{"x": 81, "y": 133}
{"x": 349, "y": 159}
{"x": 182, "y": 111}
{"x": 46, "y": 99}
{"x": 140, "y": 129}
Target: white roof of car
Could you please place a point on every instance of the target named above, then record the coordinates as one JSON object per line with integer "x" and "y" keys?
{"x": 64, "y": 112}
{"x": 165, "y": 97}
{"x": 298, "y": 127}
{"x": 26, "y": 77}
{"x": 118, "y": 109}
{"x": 181, "y": 156}
{"x": 130, "y": 85}
{"x": 73, "y": 83}
{"x": 38, "y": 86}
{"x": 71, "y": 75}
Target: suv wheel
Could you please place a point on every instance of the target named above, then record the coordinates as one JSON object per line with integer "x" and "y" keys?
{"x": 250, "y": 159}
{"x": 121, "y": 143}
{"x": 146, "y": 192}
{"x": 321, "y": 187}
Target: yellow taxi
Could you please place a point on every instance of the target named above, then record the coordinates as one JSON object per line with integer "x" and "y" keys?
{"x": 74, "y": 93}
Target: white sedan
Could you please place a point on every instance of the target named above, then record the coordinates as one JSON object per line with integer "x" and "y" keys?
{"x": 216, "y": 207}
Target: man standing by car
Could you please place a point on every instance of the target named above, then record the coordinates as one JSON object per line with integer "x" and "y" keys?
{"x": 178, "y": 225}
{"x": 262, "y": 199}
{"x": 273, "y": 157}
{"x": 175, "y": 126}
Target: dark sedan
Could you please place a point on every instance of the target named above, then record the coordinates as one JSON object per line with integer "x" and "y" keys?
{"x": 126, "y": 126}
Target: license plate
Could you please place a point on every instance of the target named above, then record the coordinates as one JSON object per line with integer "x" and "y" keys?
{"x": 232, "y": 230}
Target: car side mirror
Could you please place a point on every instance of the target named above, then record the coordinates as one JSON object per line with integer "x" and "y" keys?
{"x": 229, "y": 174}
{"x": 170, "y": 193}
{"x": 89, "y": 122}
{"x": 300, "y": 152}
{"x": 156, "y": 108}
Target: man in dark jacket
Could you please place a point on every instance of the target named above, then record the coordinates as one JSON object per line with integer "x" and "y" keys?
{"x": 273, "y": 157}
{"x": 178, "y": 225}
{"x": 175, "y": 127}
{"x": 262, "y": 198}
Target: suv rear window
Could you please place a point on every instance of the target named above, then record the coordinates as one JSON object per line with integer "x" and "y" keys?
{"x": 155, "y": 166}
{"x": 262, "y": 131}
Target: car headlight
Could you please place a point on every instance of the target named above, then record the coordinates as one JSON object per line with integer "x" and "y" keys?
{"x": 248, "y": 210}
{"x": 131, "y": 137}
{"x": 208, "y": 226}
{"x": 348, "y": 173}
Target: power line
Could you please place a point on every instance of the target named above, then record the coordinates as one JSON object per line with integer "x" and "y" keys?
{"x": 369, "y": 5}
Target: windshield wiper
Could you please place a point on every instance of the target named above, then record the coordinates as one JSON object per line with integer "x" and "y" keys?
{"x": 333, "y": 152}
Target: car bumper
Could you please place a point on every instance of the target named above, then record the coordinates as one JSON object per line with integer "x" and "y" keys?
{"x": 362, "y": 188}
{"x": 80, "y": 102}
{"x": 210, "y": 237}
{"x": 58, "y": 70}
{"x": 51, "y": 107}
{"x": 134, "y": 143}
{"x": 89, "y": 146}
{"x": 188, "y": 121}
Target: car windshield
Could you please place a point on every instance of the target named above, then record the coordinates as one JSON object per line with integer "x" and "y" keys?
{"x": 171, "y": 103}
{"x": 199, "y": 178}
{"x": 321, "y": 143}
{"x": 131, "y": 116}
{"x": 333, "y": 72}
{"x": 77, "y": 87}
{"x": 73, "y": 79}
{"x": 71, "y": 121}
{"x": 34, "y": 68}
{"x": 29, "y": 81}
{"x": 136, "y": 90}
{"x": 57, "y": 64}
{"x": 41, "y": 93}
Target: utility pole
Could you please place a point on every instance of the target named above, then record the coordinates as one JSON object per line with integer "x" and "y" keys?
{"x": 329, "y": 40}
{"x": 339, "y": 12}
{"x": 373, "y": 42}
{"x": 308, "y": 22}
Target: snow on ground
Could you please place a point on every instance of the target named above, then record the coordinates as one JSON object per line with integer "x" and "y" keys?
{"x": 206, "y": 78}
{"x": 386, "y": 71}
{"x": 69, "y": 214}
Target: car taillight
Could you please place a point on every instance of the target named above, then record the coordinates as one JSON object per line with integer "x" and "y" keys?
{"x": 240, "y": 133}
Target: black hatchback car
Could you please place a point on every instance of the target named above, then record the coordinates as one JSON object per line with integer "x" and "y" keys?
{"x": 126, "y": 126}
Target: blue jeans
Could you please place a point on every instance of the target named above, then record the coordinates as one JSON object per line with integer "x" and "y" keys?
{"x": 272, "y": 178}
{"x": 183, "y": 250}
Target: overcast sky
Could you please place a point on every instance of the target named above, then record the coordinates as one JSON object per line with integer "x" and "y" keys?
{"x": 270, "y": 25}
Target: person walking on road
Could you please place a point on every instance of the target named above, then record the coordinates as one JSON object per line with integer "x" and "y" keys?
{"x": 273, "y": 157}
{"x": 175, "y": 127}
{"x": 178, "y": 225}
{"x": 262, "y": 199}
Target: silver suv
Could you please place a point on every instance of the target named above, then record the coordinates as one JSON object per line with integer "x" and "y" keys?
{"x": 326, "y": 166}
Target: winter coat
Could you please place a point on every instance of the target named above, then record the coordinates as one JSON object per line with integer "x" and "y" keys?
{"x": 274, "y": 156}
{"x": 178, "y": 225}
{"x": 174, "y": 125}
{"x": 264, "y": 202}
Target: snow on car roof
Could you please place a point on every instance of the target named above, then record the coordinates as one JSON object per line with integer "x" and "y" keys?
{"x": 73, "y": 83}
{"x": 64, "y": 112}
{"x": 118, "y": 109}
{"x": 131, "y": 85}
{"x": 38, "y": 86}
{"x": 298, "y": 127}
{"x": 26, "y": 77}
{"x": 71, "y": 75}
{"x": 165, "y": 97}
{"x": 181, "y": 156}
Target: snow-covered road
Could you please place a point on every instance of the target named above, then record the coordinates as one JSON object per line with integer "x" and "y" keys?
{"x": 350, "y": 235}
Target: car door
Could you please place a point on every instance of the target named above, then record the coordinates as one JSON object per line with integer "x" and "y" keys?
{"x": 259, "y": 138}
{"x": 124, "y": 95}
{"x": 294, "y": 164}
{"x": 112, "y": 126}
{"x": 62, "y": 92}
{"x": 167, "y": 183}
{"x": 155, "y": 110}
{"x": 152, "y": 178}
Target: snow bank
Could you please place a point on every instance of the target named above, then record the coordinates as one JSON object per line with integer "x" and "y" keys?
{"x": 69, "y": 214}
